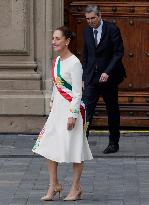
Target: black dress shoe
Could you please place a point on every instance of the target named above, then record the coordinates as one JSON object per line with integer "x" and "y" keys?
{"x": 111, "y": 149}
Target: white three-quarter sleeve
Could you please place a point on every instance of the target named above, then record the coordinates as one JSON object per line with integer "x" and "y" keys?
{"x": 76, "y": 79}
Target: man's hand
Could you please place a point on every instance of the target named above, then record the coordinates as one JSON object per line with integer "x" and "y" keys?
{"x": 71, "y": 123}
{"x": 103, "y": 78}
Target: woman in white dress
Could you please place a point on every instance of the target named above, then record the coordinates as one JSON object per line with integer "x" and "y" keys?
{"x": 63, "y": 137}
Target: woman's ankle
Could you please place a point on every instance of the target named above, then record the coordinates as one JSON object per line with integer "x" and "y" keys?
{"x": 75, "y": 187}
{"x": 55, "y": 183}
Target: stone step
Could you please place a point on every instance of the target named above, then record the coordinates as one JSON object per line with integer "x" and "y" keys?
{"x": 21, "y": 92}
{"x": 21, "y": 123}
{"x": 20, "y": 81}
{"x": 133, "y": 122}
{"x": 22, "y": 104}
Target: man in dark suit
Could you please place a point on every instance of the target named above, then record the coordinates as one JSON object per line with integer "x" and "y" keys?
{"x": 103, "y": 71}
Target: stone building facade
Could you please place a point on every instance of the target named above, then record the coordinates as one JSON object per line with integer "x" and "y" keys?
{"x": 26, "y": 55}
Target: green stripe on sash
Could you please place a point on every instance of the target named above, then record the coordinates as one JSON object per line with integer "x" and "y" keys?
{"x": 65, "y": 84}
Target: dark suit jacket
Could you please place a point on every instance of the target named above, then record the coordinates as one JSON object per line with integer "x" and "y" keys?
{"x": 107, "y": 55}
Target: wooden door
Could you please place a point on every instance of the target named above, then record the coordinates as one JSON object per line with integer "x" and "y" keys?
{"x": 132, "y": 17}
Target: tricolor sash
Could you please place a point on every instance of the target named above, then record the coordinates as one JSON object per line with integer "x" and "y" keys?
{"x": 64, "y": 88}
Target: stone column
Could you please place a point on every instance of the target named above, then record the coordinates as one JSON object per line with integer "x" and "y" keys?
{"x": 48, "y": 17}
{"x": 54, "y": 11}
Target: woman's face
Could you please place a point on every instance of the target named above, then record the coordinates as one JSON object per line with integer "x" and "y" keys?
{"x": 59, "y": 41}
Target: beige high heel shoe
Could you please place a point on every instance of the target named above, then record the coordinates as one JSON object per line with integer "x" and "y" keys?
{"x": 77, "y": 196}
{"x": 56, "y": 189}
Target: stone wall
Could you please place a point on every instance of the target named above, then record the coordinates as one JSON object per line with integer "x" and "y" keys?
{"x": 26, "y": 28}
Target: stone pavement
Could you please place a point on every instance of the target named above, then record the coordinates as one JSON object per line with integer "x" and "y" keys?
{"x": 116, "y": 179}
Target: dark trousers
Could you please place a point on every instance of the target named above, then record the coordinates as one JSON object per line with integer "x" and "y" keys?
{"x": 109, "y": 92}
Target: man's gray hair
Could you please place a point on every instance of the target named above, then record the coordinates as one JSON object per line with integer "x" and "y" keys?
{"x": 93, "y": 8}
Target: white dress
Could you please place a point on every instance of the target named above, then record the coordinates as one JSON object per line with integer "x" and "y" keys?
{"x": 55, "y": 141}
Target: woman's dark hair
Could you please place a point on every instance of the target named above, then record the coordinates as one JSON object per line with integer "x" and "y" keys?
{"x": 66, "y": 32}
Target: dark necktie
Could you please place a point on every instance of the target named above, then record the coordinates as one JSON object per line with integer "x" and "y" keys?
{"x": 95, "y": 35}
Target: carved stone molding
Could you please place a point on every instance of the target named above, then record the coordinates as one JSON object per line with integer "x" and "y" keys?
{"x": 15, "y": 27}
{"x": 24, "y": 66}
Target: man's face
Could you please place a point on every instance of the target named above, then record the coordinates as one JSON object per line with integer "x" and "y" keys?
{"x": 93, "y": 19}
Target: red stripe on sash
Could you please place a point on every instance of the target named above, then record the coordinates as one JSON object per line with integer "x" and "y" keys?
{"x": 82, "y": 110}
{"x": 64, "y": 94}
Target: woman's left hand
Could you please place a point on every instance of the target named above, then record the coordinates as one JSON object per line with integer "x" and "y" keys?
{"x": 71, "y": 123}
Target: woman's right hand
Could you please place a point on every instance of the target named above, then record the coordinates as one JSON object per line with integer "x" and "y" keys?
{"x": 71, "y": 123}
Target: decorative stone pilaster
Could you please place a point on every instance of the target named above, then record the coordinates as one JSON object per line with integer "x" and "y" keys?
{"x": 54, "y": 19}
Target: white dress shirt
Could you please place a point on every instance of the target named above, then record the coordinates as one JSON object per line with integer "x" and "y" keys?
{"x": 99, "y": 29}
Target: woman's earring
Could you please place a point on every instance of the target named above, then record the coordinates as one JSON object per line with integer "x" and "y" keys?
{"x": 66, "y": 44}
